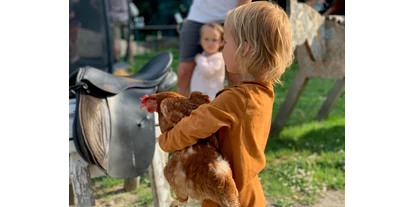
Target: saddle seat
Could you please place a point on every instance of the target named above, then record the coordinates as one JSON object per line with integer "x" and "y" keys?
{"x": 150, "y": 75}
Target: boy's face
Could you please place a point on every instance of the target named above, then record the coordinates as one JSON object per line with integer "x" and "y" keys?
{"x": 229, "y": 51}
{"x": 210, "y": 40}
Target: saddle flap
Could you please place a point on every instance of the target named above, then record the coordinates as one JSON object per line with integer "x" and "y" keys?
{"x": 132, "y": 143}
{"x": 114, "y": 134}
{"x": 93, "y": 127}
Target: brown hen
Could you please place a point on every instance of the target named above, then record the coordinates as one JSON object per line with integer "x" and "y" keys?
{"x": 199, "y": 171}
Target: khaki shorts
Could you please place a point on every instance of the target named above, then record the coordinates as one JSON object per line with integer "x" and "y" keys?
{"x": 120, "y": 31}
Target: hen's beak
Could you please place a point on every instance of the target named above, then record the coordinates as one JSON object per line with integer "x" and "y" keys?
{"x": 142, "y": 107}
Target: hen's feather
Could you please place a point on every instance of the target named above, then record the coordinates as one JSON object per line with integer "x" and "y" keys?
{"x": 174, "y": 109}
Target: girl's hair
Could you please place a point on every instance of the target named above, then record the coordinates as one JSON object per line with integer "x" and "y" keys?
{"x": 216, "y": 27}
{"x": 265, "y": 28}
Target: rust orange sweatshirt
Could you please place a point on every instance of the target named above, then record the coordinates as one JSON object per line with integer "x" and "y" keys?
{"x": 242, "y": 116}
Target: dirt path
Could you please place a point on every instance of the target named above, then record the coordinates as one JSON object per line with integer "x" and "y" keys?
{"x": 332, "y": 199}
{"x": 122, "y": 199}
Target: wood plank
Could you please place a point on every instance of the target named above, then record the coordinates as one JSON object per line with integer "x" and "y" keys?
{"x": 155, "y": 27}
{"x": 289, "y": 102}
{"x": 333, "y": 96}
{"x": 159, "y": 185}
{"x": 334, "y": 65}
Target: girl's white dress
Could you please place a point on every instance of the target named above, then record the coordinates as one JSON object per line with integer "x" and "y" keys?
{"x": 208, "y": 75}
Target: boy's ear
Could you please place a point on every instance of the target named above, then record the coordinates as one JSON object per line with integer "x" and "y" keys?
{"x": 246, "y": 49}
{"x": 222, "y": 43}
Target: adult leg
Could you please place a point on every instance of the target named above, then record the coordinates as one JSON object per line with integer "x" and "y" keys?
{"x": 73, "y": 34}
{"x": 116, "y": 36}
{"x": 184, "y": 72}
{"x": 189, "y": 48}
{"x": 131, "y": 44}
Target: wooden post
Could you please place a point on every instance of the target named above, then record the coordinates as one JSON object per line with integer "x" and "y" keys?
{"x": 81, "y": 181}
{"x": 71, "y": 196}
{"x": 289, "y": 102}
{"x": 331, "y": 99}
{"x": 80, "y": 185}
{"x": 130, "y": 184}
{"x": 159, "y": 185}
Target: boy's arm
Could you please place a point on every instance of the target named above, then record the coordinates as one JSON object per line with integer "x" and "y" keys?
{"x": 202, "y": 122}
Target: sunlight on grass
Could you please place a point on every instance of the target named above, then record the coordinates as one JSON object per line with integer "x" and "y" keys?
{"x": 300, "y": 178}
{"x": 305, "y": 160}
{"x": 144, "y": 194}
{"x": 144, "y": 191}
{"x": 107, "y": 182}
{"x": 305, "y": 128}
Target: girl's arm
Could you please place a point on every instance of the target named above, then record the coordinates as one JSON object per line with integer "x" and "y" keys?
{"x": 210, "y": 66}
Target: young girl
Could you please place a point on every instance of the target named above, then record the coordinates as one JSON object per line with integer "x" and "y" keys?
{"x": 208, "y": 75}
{"x": 258, "y": 48}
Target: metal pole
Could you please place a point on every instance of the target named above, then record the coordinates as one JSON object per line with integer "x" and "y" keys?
{"x": 129, "y": 32}
{"x": 107, "y": 24}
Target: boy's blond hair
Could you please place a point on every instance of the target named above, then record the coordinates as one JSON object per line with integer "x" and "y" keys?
{"x": 265, "y": 28}
{"x": 216, "y": 27}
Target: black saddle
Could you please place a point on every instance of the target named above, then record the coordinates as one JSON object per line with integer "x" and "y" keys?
{"x": 109, "y": 129}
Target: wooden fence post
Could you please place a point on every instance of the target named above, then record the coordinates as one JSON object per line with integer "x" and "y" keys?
{"x": 159, "y": 185}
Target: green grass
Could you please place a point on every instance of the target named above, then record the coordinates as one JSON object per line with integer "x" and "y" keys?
{"x": 307, "y": 157}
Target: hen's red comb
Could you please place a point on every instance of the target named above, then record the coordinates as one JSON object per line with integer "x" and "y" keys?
{"x": 144, "y": 99}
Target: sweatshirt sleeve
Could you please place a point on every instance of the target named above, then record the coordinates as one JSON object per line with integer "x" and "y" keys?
{"x": 210, "y": 66}
{"x": 202, "y": 122}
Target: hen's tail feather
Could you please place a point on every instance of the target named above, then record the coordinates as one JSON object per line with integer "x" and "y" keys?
{"x": 229, "y": 194}
{"x": 232, "y": 196}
